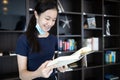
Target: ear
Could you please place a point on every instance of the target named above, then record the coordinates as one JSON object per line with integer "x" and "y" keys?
{"x": 36, "y": 15}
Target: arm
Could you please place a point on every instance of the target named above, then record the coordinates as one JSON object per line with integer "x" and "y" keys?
{"x": 24, "y": 74}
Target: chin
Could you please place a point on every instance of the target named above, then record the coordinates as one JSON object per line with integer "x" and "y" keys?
{"x": 48, "y": 29}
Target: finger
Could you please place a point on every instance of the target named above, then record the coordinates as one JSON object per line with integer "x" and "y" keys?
{"x": 49, "y": 72}
{"x": 61, "y": 69}
{"x": 52, "y": 66}
{"x": 66, "y": 67}
{"x": 45, "y": 63}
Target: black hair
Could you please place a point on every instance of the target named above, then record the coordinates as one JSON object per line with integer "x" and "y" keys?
{"x": 31, "y": 32}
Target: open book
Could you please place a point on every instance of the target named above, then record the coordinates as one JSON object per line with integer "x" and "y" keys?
{"x": 76, "y": 56}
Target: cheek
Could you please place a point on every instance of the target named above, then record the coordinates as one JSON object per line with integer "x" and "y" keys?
{"x": 41, "y": 22}
{"x": 53, "y": 24}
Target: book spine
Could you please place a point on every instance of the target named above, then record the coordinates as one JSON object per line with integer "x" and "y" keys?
{"x": 67, "y": 45}
{"x": 110, "y": 56}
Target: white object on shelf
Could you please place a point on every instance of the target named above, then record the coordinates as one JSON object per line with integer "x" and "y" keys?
{"x": 1, "y": 54}
{"x": 108, "y": 28}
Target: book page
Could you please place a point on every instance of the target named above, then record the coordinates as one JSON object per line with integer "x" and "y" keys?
{"x": 65, "y": 60}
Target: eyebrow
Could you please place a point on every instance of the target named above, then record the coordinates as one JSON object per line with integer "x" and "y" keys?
{"x": 51, "y": 17}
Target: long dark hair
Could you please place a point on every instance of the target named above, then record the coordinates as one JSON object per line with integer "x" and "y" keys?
{"x": 31, "y": 32}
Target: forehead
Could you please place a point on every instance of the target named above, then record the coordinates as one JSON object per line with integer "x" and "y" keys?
{"x": 50, "y": 13}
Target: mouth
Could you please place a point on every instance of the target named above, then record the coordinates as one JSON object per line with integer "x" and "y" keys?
{"x": 47, "y": 28}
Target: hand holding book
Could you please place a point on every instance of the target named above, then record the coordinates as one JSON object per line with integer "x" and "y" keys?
{"x": 76, "y": 56}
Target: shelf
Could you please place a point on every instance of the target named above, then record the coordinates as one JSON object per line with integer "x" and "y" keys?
{"x": 70, "y": 75}
{"x": 89, "y": 6}
{"x": 72, "y": 13}
{"x": 93, "y": 74}
{"x": 69, "y": 35}
{"x": 73, "y": 23}
{"x": 111, "y": 7}
{"x": 72, "y": 27}
{"x": 109, "y": 36}
{"x": 93, "y": 67}
{"x": 62, "y": 53}
{"x": 92, "y": 28}
{"x": 113, "y": 0}
{"x": 105, "y": 10}
{"x": 114, "y": 48}
{"x": 68, "y": 6}
{"x": 12, "y": 31}
{"x": 92, "y": 14}
{"x": 111, "y": 64}
{"x": 112, "y": 69}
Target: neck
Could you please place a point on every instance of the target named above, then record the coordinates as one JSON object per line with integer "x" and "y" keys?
{"x": 43, "y": 35}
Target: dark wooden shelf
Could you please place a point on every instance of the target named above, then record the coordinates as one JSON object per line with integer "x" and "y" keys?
{"x": 78, "y": 12}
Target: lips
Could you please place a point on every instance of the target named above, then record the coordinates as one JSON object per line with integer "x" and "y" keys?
{"x": 47, "y": 28}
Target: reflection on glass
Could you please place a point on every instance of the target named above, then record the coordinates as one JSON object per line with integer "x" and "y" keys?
{"x": 12, "y": 15}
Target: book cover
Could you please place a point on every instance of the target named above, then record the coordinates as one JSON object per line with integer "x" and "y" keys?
{"x": 91, "y": 22}
{"x": 93, "y": 43}
{"x": 76, "y": 56}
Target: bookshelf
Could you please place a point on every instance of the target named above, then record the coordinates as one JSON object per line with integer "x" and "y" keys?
{"x": 106, "y": 10}
{"x": 76, "y": 13}
{"x": 111, "y": 13}
{"x": 9, "y": 33}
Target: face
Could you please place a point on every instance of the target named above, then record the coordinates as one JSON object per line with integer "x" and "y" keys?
{"x": 47, "y": 19}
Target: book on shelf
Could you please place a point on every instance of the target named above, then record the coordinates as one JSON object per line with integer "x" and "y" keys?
{"x": 76, "y": 56}
{"x": 91, "y": 22}
{"x": 67, "y": 45}
{"x": 92, "y": 42}
{"x": 110, "y": 56}
{"x": 111, "y": 77}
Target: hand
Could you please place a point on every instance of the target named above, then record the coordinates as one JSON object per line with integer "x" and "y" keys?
{"x": 45, "y": 71}
{"x": 63, "y": 68}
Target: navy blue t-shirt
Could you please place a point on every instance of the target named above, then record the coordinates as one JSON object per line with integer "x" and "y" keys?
{"x": 48, "y": 46}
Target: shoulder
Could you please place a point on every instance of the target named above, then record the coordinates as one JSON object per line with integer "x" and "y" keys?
{"x": 22, "y": 46}
{"x": 22, "y": 38}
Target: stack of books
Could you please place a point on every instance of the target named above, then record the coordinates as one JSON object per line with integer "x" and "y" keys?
{"x": 111, "y": 77}
{"x": 67, "y": 45}
{"x": 110, "y": 56}
{"x": 92, "y": 42}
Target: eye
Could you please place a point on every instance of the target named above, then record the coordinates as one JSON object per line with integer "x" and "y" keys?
{"x": 54, "y": 20}
{"x": 47, "y": 18}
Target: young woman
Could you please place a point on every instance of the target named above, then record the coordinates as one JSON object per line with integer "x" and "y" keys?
{"x": 35, "y": 49}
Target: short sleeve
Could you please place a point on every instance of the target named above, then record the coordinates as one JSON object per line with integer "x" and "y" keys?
{"x": 22, "y": 46}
